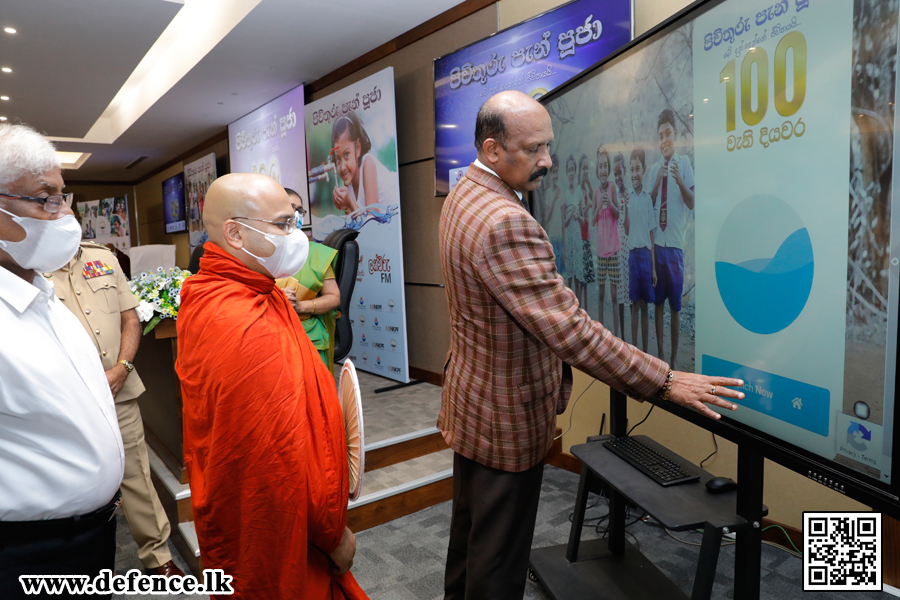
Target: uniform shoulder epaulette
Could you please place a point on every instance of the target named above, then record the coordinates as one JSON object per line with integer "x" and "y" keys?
{"x": 95, "y": 245}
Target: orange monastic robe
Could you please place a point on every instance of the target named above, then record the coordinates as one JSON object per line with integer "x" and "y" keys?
{"x": 264, "y": 440}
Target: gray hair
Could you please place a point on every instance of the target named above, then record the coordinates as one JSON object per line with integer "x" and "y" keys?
{"x": 23, "y": 152}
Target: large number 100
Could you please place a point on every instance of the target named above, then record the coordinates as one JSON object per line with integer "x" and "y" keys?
{"x": 794, "y": 40}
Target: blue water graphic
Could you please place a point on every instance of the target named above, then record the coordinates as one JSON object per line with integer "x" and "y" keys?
{"x": 766, "y": 295}
{"x": 373, "y": 212}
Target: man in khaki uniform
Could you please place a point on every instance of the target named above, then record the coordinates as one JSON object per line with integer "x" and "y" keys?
{"x": 94, "y": 288}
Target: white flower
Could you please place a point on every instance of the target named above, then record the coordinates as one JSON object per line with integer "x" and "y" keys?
{"x": 145, "y": 311}
{"x": 178, "y": 298}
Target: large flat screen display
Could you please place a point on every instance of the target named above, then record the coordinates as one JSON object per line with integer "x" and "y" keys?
{"x": 722, "y": 196}
{"x": 532, "y": 57}
{"x": 173, "y": 203}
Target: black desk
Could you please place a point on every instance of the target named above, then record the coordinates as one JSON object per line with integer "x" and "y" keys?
{"x": 590, "y": 570}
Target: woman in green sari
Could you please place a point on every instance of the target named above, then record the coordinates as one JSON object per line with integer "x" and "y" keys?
{"x": 314, "y": 293}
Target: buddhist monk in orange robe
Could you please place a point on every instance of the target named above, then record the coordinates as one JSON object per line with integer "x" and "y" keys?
{"x": 264, "y": 440}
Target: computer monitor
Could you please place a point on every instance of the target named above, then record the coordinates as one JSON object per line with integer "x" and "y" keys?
{"x": 751, "y": 146}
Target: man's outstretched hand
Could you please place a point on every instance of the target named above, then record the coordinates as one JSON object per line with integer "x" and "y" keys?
{"x": 696, "y": 391}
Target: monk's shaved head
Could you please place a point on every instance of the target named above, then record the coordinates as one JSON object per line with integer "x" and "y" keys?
{"x": 513, "y": 133}
{"x": 245, "y": 196}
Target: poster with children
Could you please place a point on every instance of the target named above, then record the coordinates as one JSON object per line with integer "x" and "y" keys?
{"x": 354, "y": 184}
{"x": 106, "y": 222}
{"x": 618, "y": 205}
{"x": 198, "y": 176}
{"x": 88, "y": 212}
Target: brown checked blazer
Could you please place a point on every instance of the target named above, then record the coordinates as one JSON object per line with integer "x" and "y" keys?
{"x": 513, "y": 324}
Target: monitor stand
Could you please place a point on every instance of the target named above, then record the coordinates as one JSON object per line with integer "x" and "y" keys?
{"x": 613, "y": 568}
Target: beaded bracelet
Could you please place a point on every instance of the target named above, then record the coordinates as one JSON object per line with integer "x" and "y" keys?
{"x": 667, "y": 386}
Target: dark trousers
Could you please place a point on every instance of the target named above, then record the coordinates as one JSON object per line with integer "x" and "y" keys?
{"x": 74, "y": 546}
{"x": 491, "y": 531}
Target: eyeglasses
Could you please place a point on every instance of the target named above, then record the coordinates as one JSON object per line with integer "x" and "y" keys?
{"x": 52, "y": 204}
{"x": 288, "y": 225}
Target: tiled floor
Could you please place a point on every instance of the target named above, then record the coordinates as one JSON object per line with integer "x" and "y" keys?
{"x": 396, "y": 412}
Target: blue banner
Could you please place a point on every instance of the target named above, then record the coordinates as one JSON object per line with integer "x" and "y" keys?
{"x": 533, "y": 57}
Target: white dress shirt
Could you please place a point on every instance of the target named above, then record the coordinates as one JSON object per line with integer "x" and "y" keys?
{"x": 60, "y": 448}
{"x": 484, "y": 167}
{"x": 677, "y": 211}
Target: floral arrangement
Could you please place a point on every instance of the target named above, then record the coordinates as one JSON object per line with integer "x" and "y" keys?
{"x": 160, "y": 295}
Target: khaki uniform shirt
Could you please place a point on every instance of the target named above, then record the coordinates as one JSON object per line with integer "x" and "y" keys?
{"x": 94, "y": 288}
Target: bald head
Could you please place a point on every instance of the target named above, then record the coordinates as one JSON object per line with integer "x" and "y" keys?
{"x": 498, "y": 111}
{"x": 245, "y": 197}
{"x": 513, "y": 134}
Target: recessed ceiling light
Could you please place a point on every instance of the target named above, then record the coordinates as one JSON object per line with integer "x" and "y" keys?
{"x": 4, "y": 97}
{"x": 2, "y": 118}
{"x": 9, "y": 30}
{"x": 6, "y": 70}
{"x": 72, "y": 160}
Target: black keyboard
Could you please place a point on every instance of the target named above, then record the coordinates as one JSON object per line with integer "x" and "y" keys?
{"x": 651, "y": 463}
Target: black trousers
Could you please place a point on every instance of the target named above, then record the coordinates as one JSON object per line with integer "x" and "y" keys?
{"x": 75, "y": 546}
{"x": 491, "y": 531}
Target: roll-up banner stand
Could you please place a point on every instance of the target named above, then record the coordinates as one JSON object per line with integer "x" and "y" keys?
{"x": 354, "y": 184}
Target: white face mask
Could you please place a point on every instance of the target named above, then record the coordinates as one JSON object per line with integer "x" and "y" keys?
{"x": 48, "y": 245}
{"x": 290, "y": 253}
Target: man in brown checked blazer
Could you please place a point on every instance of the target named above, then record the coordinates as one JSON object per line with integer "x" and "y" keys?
{"x": 515, "y": 329}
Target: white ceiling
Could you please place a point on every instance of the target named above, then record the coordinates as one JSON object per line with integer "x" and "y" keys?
{"x": 70, "y": 57}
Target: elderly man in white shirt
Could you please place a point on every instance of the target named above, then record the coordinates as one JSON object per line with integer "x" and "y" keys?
{"x": 61, "y": 455}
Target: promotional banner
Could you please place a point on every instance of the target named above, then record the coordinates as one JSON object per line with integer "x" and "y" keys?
{"x": 533, "y": 57}
{"x": 733, "y": 199}
{"x": 106, "y": 222}
{"x": 270, "y": 141}
{"x": 353, "y": 184}
{"x": 198, "y": 176}
{"x": 173, "y": 203}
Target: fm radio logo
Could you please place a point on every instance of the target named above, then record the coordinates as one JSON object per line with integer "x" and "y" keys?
{"x": 381, "y": 264}
{"x": 377, "y": 360}
{"x": 375, "y": 307}
{"x": 365, "y": 357}
{"x": 377, "y": 345}
{"x": 393, "y": 329}
{"x": 395, "y": 369}
{"x": 362, "y": 303}
{"x": 391, "y": 304}
{"x": 376, "y": 321}
{"x": 393, "y": 344}
{"x": 362, "y": 319}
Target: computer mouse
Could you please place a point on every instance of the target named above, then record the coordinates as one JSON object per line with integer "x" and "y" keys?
{"x": 720, "y": 485}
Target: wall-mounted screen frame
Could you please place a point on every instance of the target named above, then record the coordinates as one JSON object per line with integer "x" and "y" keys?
{"x": 762, "y": 136}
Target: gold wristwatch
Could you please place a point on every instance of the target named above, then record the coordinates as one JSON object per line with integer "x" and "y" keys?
{"x": 129, "y": 366}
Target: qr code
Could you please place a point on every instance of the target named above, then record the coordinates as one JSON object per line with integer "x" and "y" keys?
{"x": 842, "y": 551}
